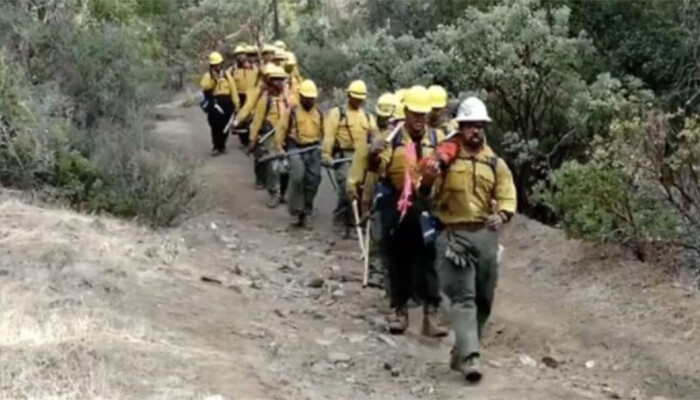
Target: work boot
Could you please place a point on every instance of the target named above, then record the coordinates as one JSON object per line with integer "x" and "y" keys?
{"x": 431, "y": 327}
{"x": 259, "y": 186}
{"x": 298, "y": 220}
{"x": 274, "y": 201}
{"x": 399, "y": 322}
{"x": 308, "y": 223}
{"x": 469, "y": 366}
{"x": 215, "y": 152}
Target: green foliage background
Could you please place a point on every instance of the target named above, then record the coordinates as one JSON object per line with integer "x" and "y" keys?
{"x": 594, "y": 102}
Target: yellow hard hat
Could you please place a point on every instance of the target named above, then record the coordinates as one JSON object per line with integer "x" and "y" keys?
{"x": 291, "y": 58}
{"x": 274, "y": 71}
{"x": 280, "y": 45}
{"x": 400, "y": 94}
{"x": 251, "y": 49}
{"x": 280, "y": 54}
{"x": 215, "y": 58}
{"x": 357, "y": 90}
{"x": 417, "y": 100}
{"x": 240, "y": 49}
{"x": 400, "y": 112}
{"x": 386, "y": 105}
{"x": 438, "y": 96}
{"x": 268, "y": 48}
{"x": 308, "y": 89}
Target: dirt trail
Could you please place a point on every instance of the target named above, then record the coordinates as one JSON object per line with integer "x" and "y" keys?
{"x": 107, "y": 309}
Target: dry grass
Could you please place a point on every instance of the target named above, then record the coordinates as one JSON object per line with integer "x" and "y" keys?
{"x": 68, "y": 328}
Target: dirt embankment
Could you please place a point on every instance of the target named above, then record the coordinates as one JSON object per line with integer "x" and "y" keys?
{"x": 234, "y": 305}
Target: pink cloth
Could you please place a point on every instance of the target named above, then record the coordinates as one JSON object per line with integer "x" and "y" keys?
{"x": 405, "y": 199}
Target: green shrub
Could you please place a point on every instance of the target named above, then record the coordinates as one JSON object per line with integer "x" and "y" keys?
{"x": 602, "y": 204}
{"x": 76, "y": 128}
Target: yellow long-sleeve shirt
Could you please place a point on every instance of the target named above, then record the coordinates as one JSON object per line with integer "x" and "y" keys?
{"x": 393, "y": 163}
{"x": 293, "y": 88}
{"x": 301, "y": 126}
{"x": 359, "y": 176}
{"x": 465, "y": 191}
{"x": 244, "y": 78}
{"x": 268, "y": 109}
{"x": 251, "y": 101}
{"x": 347, "y": 133}
{"x": 222, "y": 86}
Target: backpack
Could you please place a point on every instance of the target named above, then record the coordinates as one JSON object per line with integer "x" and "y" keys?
{"x": 397, "y": 141}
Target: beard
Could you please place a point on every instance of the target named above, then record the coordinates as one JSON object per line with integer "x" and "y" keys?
{"x": 474, "y": 142}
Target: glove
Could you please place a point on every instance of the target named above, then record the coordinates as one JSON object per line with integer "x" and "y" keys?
{"x": 251, "y": 146}
{"x": 351, "y": 191}
{"x": 377, "y": 147}
{"x": 446, "y": 152}
{"x": 495, "y": 221}
{"x": 460, "y": 253}
{"x": 327, "y": 161}
{"x": 429, "y": 169}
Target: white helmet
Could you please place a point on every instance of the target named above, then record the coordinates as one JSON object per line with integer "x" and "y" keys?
{"x": 472, "y": 109}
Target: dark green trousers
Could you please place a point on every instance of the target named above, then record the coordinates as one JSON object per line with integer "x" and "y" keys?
{"x": 304, "y": 178}
{"x": 470, "y": 289}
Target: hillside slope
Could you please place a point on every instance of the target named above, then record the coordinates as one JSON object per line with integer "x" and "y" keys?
{"x": 236, "y": 305}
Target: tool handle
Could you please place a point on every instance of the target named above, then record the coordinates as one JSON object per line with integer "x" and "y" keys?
{"x": 365, "y": 272}
{"x": 394, "y": 132}
{"x": 356, "y": 214}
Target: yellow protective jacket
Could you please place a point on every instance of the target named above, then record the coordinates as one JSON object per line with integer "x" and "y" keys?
{"x": 293, "y": 90}
{"x": 360, "y": 178}
{"x": 465, "y": 192}
{"x": 346, "y": 132}
{"x": 223, "y": 86}
{"x": 300, "y": 126}
{"x": 268, "y": 109}
{"x": 251, "y": 101}
{"x": 244, "y": 78}
{"x": 392, "y": 161}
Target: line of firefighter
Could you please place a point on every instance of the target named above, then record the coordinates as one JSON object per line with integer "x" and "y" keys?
{"x": 436, "y": 193}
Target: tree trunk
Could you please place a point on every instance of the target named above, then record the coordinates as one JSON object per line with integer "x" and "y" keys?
{"x": 276, "y": 19}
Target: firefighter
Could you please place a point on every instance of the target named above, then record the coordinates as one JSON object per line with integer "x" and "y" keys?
{"x": 293, "y": 81}
{"x": 280, "y": 57}
{"x": 242, "y": 72}
{"x": 474, "y": 196}
{"x": 268, "y": 53}
{"x": 346, "y": 129}
{"x": 411, "y": 259}
{"x": 439, "y": 117}
{"x": 268, "y": 110}
{"x": 302, "y": 128}
{"x": 220, "y": 99}
{"x": 361, "y": 184}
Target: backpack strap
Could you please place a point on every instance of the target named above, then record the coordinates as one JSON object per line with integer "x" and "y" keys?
{"x": 268, "y": 105}
{"x": 432, "y": 135}
{"x": 293, "y": 121}
{"x": 397, "y": 141}
{"x": 344, "y": 116}
{"x": 320, "y": 115}
{"x": 492, "y": 162}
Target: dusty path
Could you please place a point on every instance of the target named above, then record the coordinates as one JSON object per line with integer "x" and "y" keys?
{"x": 556, "y": 298}
{"x": 93, "y": 307}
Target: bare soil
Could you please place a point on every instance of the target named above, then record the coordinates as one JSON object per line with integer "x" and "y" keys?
{"x": 226, "y": 307}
